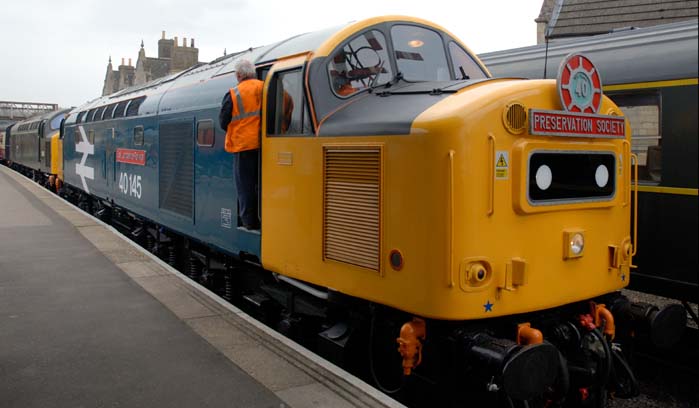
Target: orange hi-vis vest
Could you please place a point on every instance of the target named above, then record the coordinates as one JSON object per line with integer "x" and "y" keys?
{"x": 243, "y": 131}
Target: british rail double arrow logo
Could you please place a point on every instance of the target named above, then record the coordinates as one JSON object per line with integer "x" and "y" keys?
{"x": 86, "y": 149}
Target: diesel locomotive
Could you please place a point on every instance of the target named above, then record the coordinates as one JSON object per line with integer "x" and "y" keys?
{"x": 651, "y": 74}
{"x": 409, "y": 201}
{"x": 35, "y": 147}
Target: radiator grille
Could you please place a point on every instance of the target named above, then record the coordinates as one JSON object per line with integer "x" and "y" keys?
{"x": 176, "y": 168}
{"x": 352, "y": 205}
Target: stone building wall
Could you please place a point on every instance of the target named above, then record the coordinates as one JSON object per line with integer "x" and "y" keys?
{"x": 172, "y": 58}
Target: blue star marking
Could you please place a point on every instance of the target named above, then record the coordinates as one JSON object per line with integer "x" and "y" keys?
{"x": 488, "y": 306}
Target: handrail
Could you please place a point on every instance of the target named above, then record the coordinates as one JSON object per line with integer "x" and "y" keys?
{"x": 635, "y": 203}
{"x": 627, "y": 174}
{"x": 491, "y": 178}
{"x": 450, "y": 272}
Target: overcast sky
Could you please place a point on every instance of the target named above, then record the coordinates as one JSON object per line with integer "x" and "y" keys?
{"x": 56, "y": 51}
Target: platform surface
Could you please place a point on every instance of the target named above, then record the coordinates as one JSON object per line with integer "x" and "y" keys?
{"x": 89, "y": 320}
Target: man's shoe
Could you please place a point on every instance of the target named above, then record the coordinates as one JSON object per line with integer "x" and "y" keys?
{"x": 250, "y": 228}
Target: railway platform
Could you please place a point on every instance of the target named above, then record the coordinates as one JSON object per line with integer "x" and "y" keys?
{"x": 87, "y": 319}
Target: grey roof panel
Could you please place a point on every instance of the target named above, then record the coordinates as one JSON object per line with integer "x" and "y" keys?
{"x": 657, "y": 53}
{"x": 589, "y": 17}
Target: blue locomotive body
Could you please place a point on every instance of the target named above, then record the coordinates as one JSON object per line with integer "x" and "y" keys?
{"x": 158, "y": 152}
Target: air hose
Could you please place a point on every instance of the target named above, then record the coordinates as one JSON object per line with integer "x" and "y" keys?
{"x": 371, "y": 359}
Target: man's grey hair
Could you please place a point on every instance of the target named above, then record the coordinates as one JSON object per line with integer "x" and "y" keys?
{"x": 244, "y": 69}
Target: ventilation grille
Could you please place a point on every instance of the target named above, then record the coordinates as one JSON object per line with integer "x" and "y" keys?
{"x": 352, "y": 205}
{"x": 176, "y": 168}
{"x": 515, "y": 117}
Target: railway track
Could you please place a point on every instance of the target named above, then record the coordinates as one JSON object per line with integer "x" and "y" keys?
{"x": 667, "y": 378}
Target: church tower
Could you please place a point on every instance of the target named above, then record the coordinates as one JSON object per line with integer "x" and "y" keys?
{"x": 141, "y": 76}
{"x": 109, "y": 80}
{"x": 172, "y": 58}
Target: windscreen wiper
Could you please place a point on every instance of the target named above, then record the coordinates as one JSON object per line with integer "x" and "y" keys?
{"x": 396, "y": 78}
{"x": 464, "y": 75}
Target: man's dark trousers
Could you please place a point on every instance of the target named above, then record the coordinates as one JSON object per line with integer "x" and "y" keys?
{"x": 246, "y": 183}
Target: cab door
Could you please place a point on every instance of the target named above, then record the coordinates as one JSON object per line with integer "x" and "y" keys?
{"x": 40, "y": 143}
{"x": 288, "y": 169}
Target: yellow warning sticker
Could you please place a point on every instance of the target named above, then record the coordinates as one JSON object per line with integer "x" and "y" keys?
{"x": 502, "y": 164}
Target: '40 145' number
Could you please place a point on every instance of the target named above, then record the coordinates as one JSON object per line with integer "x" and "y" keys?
{"x": 130, "y": 184}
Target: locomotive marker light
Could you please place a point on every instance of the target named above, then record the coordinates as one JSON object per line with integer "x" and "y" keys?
{"x": 543, "y": 177}
{"x": 601, "y": 176}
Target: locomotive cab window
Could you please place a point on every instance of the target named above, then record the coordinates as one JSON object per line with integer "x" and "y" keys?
{"x": 56, "y": 122}
{"x": 287, "y": 113}
{"x": 360, "y": 64}
{"x": 463, "y": 65}
{"x": 205, "y": 133}
{"x": 138, "y": 136}
{"x": 420, "y": 54}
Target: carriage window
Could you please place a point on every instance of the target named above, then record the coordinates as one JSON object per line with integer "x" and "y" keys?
{"x": 360, "y": 64}
{"x": 420, "y": 54}
{"x": 138, "y": 136}
{"x": 91, "y": 136}
{"x": 79, "y": 119}
{"x": 288, "y": 114}
{"x": 464, "y": 67}
{"x": 643, "y": 114}
{"x": 205, "y": 133}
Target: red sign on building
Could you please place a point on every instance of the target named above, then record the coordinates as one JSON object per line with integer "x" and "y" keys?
{"x": 558, "y": 123}
{"x": 131, "y": 156}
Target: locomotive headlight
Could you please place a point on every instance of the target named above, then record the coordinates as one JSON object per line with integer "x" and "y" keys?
{"x": 573, "y": 243}
{"x": 577, "y": 243}
{"x": 543, "y": 177}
